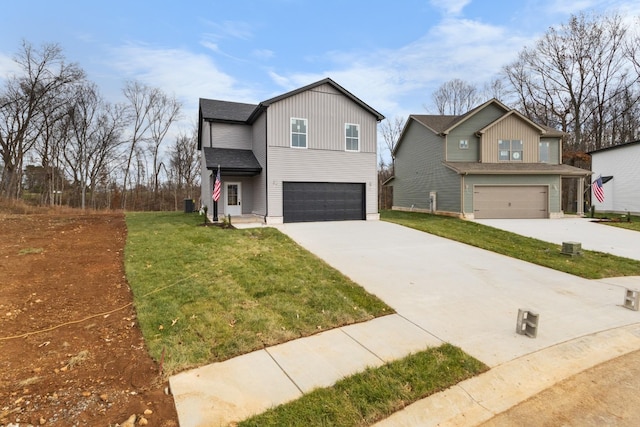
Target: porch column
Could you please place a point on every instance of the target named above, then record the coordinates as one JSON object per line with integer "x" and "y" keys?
{"x": 580, "y": 207}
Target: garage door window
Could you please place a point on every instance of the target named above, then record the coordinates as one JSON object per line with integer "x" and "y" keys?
{"x": 352, "y": 137}
{"x": 298, "y": 133}
{"x": 510, "y": 150}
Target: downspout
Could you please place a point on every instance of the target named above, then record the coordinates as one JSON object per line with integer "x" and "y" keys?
{"x": 462, "y": 195}
{"x": 266, "y": 167}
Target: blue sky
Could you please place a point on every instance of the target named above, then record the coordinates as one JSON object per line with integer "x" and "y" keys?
{"x": 391, "y": 54}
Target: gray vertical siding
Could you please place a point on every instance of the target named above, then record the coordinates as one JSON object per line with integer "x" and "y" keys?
{"x": 326, "y": 111}
{"x": 260, "y": 151}
{"x": 419, "y": 171}
{"x": 325, "y": 158}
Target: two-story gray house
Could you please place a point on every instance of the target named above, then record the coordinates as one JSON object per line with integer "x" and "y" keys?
{"x": 491, "y": 162}
{"x": 307, "y": 155}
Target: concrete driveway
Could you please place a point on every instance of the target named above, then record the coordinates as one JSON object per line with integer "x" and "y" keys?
{"x": 591, "y": 234}
{"x": 464, "y": 295}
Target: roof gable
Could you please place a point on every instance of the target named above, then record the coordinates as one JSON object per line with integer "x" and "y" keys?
{"x": 265, "y": 104}
{"x": 237, "y": 112}
{"x": 519, "y": 116}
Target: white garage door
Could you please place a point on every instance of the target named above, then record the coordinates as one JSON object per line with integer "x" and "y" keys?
{"x": 510, "y": 201}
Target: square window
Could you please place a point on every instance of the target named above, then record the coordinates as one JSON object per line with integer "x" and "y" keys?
{"x": 464, "y": 144}
{"x": 352, "y": 137}
{"x": 298, "y": 133}
{"x": 510, "y": 150}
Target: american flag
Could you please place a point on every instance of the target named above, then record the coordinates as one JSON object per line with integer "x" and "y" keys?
{"x": 597, "y": 189}
{"x": 216, "y": 187}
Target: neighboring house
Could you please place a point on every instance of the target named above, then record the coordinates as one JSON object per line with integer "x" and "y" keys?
{"x": 491, "y": 162}
{"x": 307, "y": 155}
{"x": 618, "y": 168}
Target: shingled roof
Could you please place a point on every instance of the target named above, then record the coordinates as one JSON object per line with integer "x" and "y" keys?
{"x": 225, "y": 111}
{"x": 232, "y": 162}
{"x": 476, "y": 168}
{"x": 442, "y": 124}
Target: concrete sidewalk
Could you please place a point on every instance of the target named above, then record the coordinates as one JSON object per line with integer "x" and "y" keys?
{"x": 442, "y": 291}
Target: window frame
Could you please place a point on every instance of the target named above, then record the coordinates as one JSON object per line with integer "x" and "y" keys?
{"x": 347, "y": 137}
{"x": 510, "y": 151}
{"x": 292, "y": 133}
{"x": 463, "y": 144}
{"x": 547, "y": 150}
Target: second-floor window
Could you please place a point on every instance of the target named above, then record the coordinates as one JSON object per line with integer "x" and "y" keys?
{"x": 510, "y": 150}
{"x": 298, "y": 132}
{"x": 463, "y": 144}
{"x": 544, "y": 152}
{"x": 352, "y": 137}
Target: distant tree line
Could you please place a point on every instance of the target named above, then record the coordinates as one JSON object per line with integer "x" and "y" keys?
{"x": 582, "y": 77}
{"x": 61, "y": 143}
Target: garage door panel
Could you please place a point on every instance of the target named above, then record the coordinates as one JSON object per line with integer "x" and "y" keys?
{"x": 510, "y": 202}
{"x": 323, "y": 201}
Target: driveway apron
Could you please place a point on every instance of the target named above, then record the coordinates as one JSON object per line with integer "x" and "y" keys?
{"x": 463, "y": 295}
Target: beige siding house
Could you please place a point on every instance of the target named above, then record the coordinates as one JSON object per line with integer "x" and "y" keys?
{"x": 491, "y": 162}
{"x": 307, "y": 155}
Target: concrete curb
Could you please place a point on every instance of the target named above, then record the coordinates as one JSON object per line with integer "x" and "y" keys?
{"x": 478, "y": 399}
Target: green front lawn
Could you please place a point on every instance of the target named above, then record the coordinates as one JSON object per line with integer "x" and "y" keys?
{"x": 206, "y": 294}
{"x": 591, "y": 265}
{"x": 370, "y": 396}
{"x": 630, "y": 222}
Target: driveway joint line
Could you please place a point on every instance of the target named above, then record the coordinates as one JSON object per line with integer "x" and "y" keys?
{"x": 421, "y": 328}
{"x": 362, "y": 345}
{"x": 284, "y": 372}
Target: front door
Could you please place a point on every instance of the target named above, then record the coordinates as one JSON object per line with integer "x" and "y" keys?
{"x": 233, "y": 198}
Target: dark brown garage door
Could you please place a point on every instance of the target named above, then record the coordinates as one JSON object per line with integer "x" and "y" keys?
{"x": 510, "y": 201}
{"x": 322, "y": 201}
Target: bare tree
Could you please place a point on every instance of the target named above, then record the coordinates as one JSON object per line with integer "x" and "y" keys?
{"x": 35, "y": 92}
{"x": 455, "y": 97}
{"x": 141, "y": 100}
{"x": 95, "y": 136}
{"x": 390, "y": 134}
{"x": 573, "y": 76}
{"x": 164, "y": 112}
{"x": 184, "y": 166}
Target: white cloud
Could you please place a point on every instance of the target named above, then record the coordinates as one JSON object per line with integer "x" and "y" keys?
{"x": 399, "y": 82}
{"x": 210, "y": 45}
{"x": 230, "y": 29}
{"x": 450, "y": 7}
{"x": 186, "y": 75}
{"x": 263, "y": 54}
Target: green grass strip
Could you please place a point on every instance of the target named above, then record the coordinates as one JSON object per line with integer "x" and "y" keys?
{"x": 206, "y": 294}
{"x": 590, "y": 265}
{"x": 370, "y": 396}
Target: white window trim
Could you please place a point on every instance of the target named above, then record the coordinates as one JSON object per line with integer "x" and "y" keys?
{"x": 306, "y": 123}
{"x": 463, "y": 144}
{"x": 345, "y": 137}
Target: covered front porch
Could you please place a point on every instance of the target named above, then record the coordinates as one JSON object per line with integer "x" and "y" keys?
{"x": 238, "y": 193}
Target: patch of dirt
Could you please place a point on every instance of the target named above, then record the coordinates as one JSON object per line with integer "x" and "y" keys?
{"x": 71, "y": 351}
{"x": 605, "y": 395}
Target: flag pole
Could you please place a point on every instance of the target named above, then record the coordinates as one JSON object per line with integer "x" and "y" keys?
{"x": 216, "y": 195}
